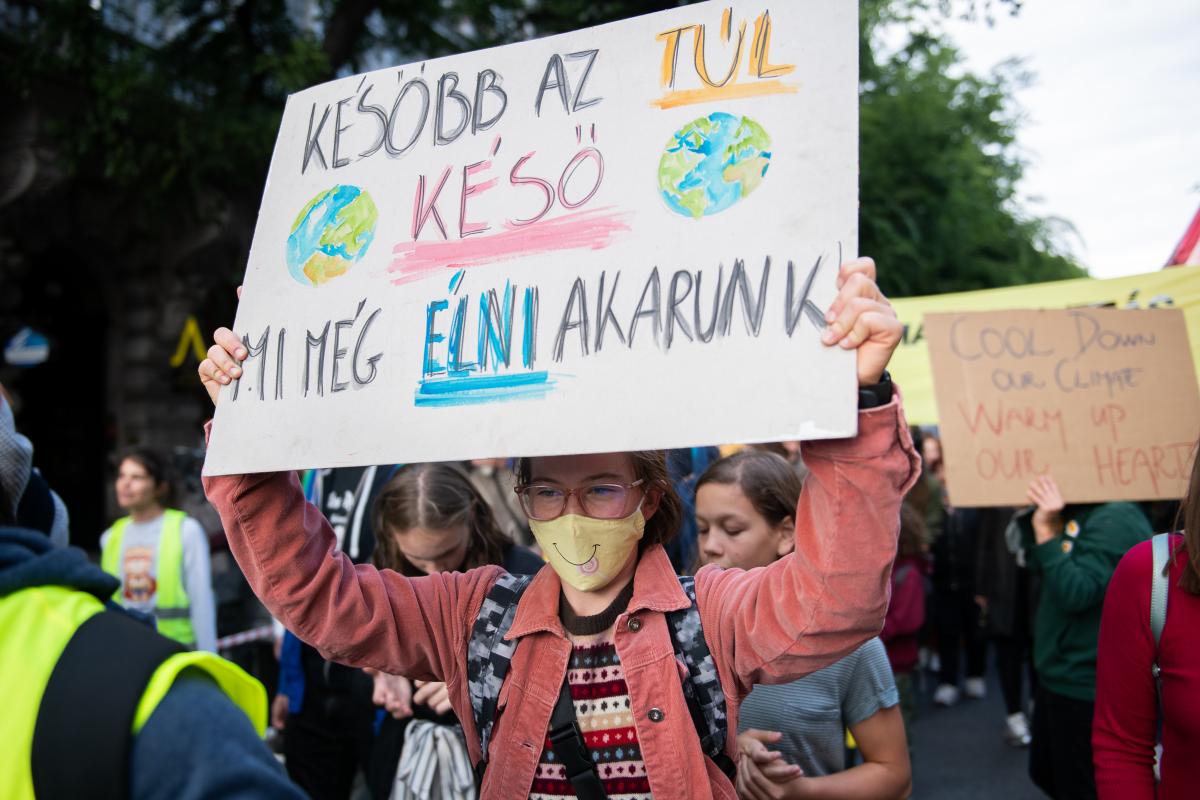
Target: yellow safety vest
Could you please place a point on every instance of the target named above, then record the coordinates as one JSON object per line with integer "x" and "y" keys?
{"x": 37, "y": 625}
{"x": 172, "y": 609}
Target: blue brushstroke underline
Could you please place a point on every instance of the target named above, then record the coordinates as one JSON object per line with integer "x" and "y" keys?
{"x": 483, "y": 389}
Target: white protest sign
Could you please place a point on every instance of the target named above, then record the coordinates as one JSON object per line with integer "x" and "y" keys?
{"x": 618, "y": 238}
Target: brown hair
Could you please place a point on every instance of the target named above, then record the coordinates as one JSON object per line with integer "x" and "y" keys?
{"x": 1189, "y": 512}
{"x": 912, "y": 532}
{"x": 649, "y": 466}
{"x": 769, "y": 482}
{"x": 434, "y": 497}
{"x": 157, "y": 468}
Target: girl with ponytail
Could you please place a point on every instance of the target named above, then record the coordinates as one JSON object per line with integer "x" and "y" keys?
{"x": 429, "y": 518}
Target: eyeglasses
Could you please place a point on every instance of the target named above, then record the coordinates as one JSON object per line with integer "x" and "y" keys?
{"x": 543, "y": 502}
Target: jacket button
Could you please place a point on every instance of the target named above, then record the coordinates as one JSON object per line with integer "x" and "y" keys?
{"x": 656, "y": 715}
{"x": 634, "y": 624}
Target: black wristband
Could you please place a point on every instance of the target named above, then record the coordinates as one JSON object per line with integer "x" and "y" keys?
{"x": 876, "y": 394}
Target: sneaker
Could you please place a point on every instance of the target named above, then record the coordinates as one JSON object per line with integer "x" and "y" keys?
{"x": 945, "y": 695}
{"x": 976, "y": 688}
{"x": 1016, "y": 730}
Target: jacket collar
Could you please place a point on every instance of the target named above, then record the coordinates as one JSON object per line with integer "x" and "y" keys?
{"x": 655, "y": 588}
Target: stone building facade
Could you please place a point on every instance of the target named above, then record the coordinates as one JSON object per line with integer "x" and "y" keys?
{"x": 120, "y": 289}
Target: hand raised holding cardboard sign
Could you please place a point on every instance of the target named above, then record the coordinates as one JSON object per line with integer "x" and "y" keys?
{"x": 861, "y": 317}
{"x": 439, "y": 273}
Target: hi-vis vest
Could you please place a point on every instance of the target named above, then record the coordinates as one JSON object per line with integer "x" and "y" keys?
{"x": 171, "y": 608}
{"x": 38, "y": 625}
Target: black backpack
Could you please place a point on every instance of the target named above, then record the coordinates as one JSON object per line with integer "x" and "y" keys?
{"x": 489, "y": 656}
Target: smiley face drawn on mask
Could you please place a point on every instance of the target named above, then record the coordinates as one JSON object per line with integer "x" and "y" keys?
{"x": 572, "y": 545}
{"x": 588, "y": 567}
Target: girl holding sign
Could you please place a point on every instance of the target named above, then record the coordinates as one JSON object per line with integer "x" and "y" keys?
{"x": 610, "y": 675}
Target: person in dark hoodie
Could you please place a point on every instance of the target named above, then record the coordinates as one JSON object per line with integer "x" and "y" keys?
{"x": 96, "y": 704}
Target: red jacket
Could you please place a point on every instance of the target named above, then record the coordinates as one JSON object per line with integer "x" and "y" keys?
{"x": 768, "y": 625}
{"x": 906, "y": 613}
{"x": 1125, "y": 722}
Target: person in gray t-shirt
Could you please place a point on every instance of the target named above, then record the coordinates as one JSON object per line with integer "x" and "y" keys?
{"x": 813, "y": 713}
{"x": 133, "y": 550}
{"x": 792, "y": 736}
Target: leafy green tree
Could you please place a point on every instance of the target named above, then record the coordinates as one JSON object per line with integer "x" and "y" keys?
{"x": 938, "y": 168}
{"x": 172, "y": 106}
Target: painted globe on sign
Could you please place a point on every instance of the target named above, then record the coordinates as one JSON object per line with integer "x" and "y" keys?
{"x": 330, "y": 234}
{"x": 713, "y": 162}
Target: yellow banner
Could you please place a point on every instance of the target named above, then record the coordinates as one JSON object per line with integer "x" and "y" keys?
{"x": 1178, "y": 287}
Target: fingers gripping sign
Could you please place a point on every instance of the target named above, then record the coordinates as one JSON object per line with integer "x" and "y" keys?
{"x": 862, "y": 319}
{"x": 223, "y": 363}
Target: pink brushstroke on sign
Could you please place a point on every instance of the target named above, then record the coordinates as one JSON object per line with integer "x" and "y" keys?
{"x": 582, "y": 230}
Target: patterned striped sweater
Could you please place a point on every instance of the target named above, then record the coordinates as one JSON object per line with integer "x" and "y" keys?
{"x": 603, "y": 711}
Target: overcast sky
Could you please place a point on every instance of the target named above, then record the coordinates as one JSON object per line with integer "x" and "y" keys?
{"x": 1112, "y": 133}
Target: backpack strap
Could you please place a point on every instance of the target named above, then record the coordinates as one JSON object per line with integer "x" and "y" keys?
{"x": 86, "y": 715}
{"x": 489, "y": 655}
{"x": 1159, "y": 589}
{"x": 702, "y": 689}
{"x": 570, "y": 748}
{"x": 1161, "y": 546}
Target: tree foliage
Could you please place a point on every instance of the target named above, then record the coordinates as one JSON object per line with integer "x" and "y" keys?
{"x": 177, "y": 102}
{"x": 939, "y": 170}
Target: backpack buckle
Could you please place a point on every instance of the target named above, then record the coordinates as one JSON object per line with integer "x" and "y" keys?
{"x": 571, "y": 736}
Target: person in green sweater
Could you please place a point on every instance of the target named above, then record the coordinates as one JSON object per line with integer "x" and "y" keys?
{"x": 1075, "y": 549}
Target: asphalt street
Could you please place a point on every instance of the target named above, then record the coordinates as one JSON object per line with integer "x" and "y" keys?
{"x": 960, "y": 752}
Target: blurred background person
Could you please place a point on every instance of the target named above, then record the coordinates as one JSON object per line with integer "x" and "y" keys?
{"x": 323, "y": 708}
{"x": 1075, "y": 549}
{"x": 160, "y": 554}
{"x": 906, "y": 610}
{"x": 685, "y": 466}
{"x": 1002, "y": 592}
{"x": 931, "y": 453}
{"x": 429, "y": 518}
{"x": 1135, "y": 708}
{"x": 956, "y": 615}
{"x": 495, "y": 481}
{"x": 745, "y": 506}
{"x": 928, "y": 495}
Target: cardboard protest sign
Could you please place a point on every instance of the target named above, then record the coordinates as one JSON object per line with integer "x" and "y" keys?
{"x": 618, "y": 238}
{"x": 1178, "y": 287}
{"x": 1104, "y": 400}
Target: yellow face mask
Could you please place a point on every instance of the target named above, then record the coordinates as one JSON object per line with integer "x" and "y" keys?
{"x": 588, "y": 553}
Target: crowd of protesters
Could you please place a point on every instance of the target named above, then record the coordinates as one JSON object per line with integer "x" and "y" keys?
{"x": 520, "y": 628}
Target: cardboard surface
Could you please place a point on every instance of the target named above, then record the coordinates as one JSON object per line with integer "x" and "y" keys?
{"x": 619, "y": 238}
{"x": 1105, "y": 400}
{"x": 1178, "y": 287}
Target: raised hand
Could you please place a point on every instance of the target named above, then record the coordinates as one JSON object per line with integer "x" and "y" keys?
{"x": 222, "y": 364}
{"x": 862, "y": 319}
{"x": 1047, "y": 517}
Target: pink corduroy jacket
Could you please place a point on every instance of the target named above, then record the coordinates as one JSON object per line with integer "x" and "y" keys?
{"x": 768, "y": 625}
